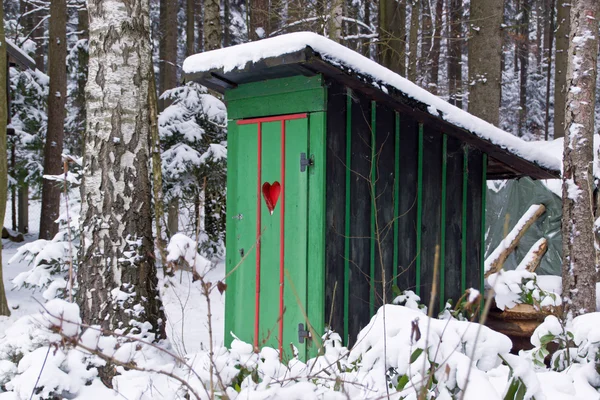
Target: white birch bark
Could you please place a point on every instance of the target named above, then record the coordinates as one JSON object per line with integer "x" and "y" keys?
{"x": 579, "y": 264}
{"x": 117, "y": 277}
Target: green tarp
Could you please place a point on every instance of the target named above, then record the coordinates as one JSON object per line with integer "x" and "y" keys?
{"x": 507, "y": 201}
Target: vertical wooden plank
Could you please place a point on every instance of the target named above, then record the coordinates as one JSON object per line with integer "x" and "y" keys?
{"x": 347, "y": 164}
{"x": 442, "y": 284}
{"x": 465, "y": 227}
{"x": 386, "y": 205}
{"x": 317, "y": 268}
{"x": 483, "y": 229}
{"x": 454, "y": 206}
{"x": 241, "y": 228}
{"x": 419, "y": 213}
{"x": 431, "y": 211}
{"x": 360, "y": 216}
{"x": 335, "y": 187}
{"x": 372, "y": 191}
{"x": 396, "y": 195}
{"x": 407, "y": 204}
{"x": 297, "y": 238}
{"x": 474, "y": 214}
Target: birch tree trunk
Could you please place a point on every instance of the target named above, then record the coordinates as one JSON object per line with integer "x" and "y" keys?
{"x": 579, "y": 254}
{"x": 4, "y": 310}
{"x": 117, "y": 275}
{"x": 436, "y": 48}
{"x": 563, "y": 27}
{"x": 485, "y": 57}
{"x": 53, "y": 165}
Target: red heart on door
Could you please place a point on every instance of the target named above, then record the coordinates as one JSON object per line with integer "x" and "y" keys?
{"x": 271, "y": 194}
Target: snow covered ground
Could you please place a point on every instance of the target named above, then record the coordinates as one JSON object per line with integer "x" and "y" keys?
{"x": 397, "y": 356}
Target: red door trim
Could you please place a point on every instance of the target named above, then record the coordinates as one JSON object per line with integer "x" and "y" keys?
{"x": 258, "y": 233}
{"x": 271, "y": 119}
{"x": 281, "y": 238}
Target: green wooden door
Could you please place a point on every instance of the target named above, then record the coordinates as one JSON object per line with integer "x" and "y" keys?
{"x": 267, "y": 231}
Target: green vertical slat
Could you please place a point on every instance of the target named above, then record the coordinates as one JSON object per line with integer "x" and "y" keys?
{"x": 419, "y": 210}
{"x": 315, "y": 288}
{"x": 443, "y": 224}
{"x": 373, "y": 205}
{"x": 396, "y": 196}
{"x": 347, "y": 222}
{"x": 483, "y": 200}
{"x": 463, "y": 254}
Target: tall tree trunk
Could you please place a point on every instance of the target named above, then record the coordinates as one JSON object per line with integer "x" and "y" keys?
{"x": 200, "y": 24}
{"x": 579, "y": 254}
{"x": 392, "y": 35}
{"x": 563, "y": 27}
{"x": 523, "y": 55}
{"x": 212, "y": 25}
{"x": 57, "y": 71}
{"x": 436, "y": 47}
{"x": 259, "y": 19}
{"x": 4, "y": 310}
{"x": 455, "y": 41}
{"x": 190, "y": 36}
{"x": 168, "y": 73}
{"x": 548, "y": 46}
{"x": 424, "y": 63}
{"x": 413, "y": 41}
{"x": 117, "y": 275}
{"x": 485, "y": 55}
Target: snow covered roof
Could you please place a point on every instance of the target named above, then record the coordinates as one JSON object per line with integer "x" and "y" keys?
{"x": 310, "y": 53}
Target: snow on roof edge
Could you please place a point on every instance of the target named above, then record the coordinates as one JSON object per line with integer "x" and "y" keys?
{"x": 236, "y": 57}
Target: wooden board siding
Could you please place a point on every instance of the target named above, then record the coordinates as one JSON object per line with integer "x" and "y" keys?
{"x": 474, "y": 218}
{"x": 384, "y": 201}
{"x": 407, "y": 208}
{"x": 360, "y": 216}
{"x": 454, "y": 178}
{"x": 335, "y": 189}
{"x": 431, "y": 226}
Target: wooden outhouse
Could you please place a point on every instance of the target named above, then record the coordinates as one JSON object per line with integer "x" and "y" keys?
{"x": 343, "y": 179}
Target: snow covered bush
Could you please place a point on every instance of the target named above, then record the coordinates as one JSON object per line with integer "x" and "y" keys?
{"x": 521, "y": 287}
{"x": 193, "y": 139}
{"x": 412, "y": 355}
{"x": 50, "y": 259}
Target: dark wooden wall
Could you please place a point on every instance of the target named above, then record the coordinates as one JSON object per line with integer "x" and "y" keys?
{"x": 395, "y": 190}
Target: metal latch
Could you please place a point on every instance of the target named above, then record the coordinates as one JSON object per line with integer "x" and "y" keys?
{"x": 302, "y": 333}
{"x": 305, "y": 162}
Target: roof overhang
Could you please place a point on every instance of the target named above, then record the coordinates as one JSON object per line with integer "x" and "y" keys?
{"x": 502, "y": 164}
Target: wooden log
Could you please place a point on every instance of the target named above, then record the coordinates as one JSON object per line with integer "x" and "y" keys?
{"x": 534, "y": 256}
{"x": 496, "y": 260}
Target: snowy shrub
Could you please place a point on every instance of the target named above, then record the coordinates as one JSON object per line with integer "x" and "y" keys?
{"x": 182, "y": 252}
{"x": 521, "y": 287}
{"x": 414, "y": 354}
{"x": 193, "y": 139}
{"x": 50, "y": 259}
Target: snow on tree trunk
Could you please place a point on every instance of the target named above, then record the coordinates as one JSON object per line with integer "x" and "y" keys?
{"x": 53, "y": 165}
{"x": 579, "y": 263}
{"x": 4, "y": 310}
{"x": 117, "y": 275}
{"x": 485, "y": 57}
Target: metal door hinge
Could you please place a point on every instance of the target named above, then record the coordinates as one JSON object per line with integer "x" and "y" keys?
{"x": 306, "y": 162}
{"x": 303, "y": 334}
